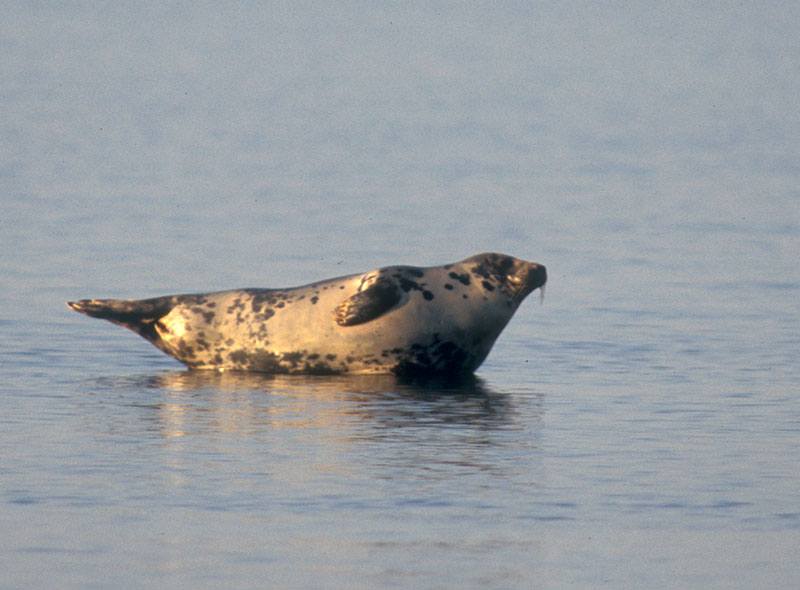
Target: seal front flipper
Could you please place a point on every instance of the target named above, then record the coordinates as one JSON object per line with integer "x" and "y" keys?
{"x": 369, "y": 304}
{"x": 137, "y": 315}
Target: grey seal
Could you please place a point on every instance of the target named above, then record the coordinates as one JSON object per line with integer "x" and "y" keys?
{"x": 404, "y": 320}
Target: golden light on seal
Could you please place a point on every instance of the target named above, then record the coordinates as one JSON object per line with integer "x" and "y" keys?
{"x": 396, "y": 319}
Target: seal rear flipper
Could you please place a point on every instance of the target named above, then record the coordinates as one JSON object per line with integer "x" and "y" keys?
{"x": 369, "y": 304}
{"x": 137, "y": 315}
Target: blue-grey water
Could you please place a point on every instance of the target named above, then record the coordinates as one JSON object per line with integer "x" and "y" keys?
{"x": 638, "y": 429}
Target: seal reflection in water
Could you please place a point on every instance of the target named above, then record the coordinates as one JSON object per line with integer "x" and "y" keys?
{"x": 404, "y": 320}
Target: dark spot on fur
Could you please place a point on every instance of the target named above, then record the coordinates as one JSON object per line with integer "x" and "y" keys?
{"x": 448, "y": 286}
{"x": 320, "y": 369}
{"x": 463, "y": 278}
{"x": 268, "y": 362}
{"x": 236, "y": 305}
{"x": 184, "y": 350}
{"x": 487, "y": 285}
{"x": 293, "y": 358}
{"x": 263, "y": 297}
{"x": 438, "y": 357}
{"x": 238, "y": 356}
{"x": 314, "y": 300}
{"x": 392, "y": 352}
{"x": 189, "y": 299}
{"x": 407, "y": 284}
{"x": 496, "y": 268}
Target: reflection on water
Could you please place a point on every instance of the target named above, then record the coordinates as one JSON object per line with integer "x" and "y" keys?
{"x": 184, "y": 402}
{"x": 237, "y": 381}
{"x": 281, "y": 436}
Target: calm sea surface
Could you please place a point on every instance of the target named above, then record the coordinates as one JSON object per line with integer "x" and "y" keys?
{"x": 639, "y": 428}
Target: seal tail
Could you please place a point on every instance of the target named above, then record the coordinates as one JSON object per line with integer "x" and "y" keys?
{"x": 137, "y": 315}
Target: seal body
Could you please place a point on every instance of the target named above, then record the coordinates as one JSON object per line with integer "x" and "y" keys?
{"x": 397, "y": 319}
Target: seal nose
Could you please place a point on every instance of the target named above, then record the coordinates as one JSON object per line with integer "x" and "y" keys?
{"x": 531, "y": 276}
{"x": 537, "y": 277}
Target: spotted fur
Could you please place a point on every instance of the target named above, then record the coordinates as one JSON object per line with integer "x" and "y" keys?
{"x": 398, "y": 319}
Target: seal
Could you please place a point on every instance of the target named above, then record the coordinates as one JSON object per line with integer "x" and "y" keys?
{"x": 404, "y": 320}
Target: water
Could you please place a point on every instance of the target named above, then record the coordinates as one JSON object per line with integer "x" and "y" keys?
{"x": 639, "y": 429}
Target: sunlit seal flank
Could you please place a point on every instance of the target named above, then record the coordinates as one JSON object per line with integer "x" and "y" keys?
{"x": 404, "y": 320}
